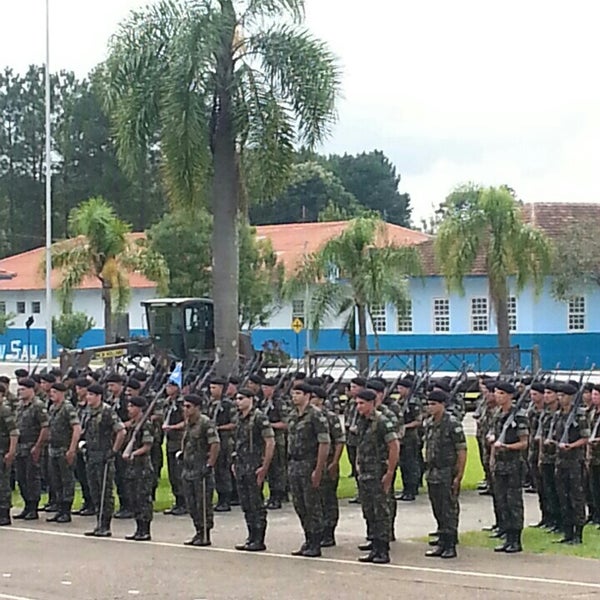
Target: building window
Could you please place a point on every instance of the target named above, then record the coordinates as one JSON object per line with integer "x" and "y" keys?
{"x": 297, "y": 309}
{"x": 441, "y": 315}
{"x": 577, "y": 313}
{"x": 405, "y": 318}
{"x": 377, "y": 312}
{"x": 2, "y": 308}
{"x": 512, "y": 313}
{"x": 21, "y": 308}
{"x": 479, "y": 314}
{"x": 36, "y": 308}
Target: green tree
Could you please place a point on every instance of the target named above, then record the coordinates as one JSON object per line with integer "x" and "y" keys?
{"x": 6, "y": 321}
{"x": 353, "y": 273}
{"x": 487, "y": 224}
{"x": 373, "y": 180}
{"x": 227, "y": 87}
{"x": 69, "y": 328}
{"x": 101, "y": 247}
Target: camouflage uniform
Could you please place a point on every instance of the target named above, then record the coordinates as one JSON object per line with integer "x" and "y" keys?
{"x": 508, "y": 472}
{"x": 156, "y": 453}
{"x": 594, "y": 468}
{"x": 350, "y": 424}
{"x": 306, "y": 432}
{"x": 8, "y": 428}
{"x": 119, "y": 405}
{"x": 329, "y": 484}
{"x": 83, "y": 414}
{"x": 569, "y": 472}
{"x": 30, "y": 418}
{"x": 443, "y": 441}
{"x": 197, "y": 478}
{"x": 250, "y": 433}
{"x": 276, "y": 412}
{"x": 534, "y": 416}
{"x": 374, "y": 434}
{"x": 138, "y": 475}
{"x": 549, "y": 491}
{"x": 409, "y": 449}
{"x": 173, "y": 416}
{"x": 100, "y": 429}
{"x": 63, "y": 418}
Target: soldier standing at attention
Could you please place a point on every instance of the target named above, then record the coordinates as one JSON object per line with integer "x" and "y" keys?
{"x": 331, "y": 476}
{"x": 446, "y": 458}
{"x": 410, "y": 465}
{"x": 173, "y": 426}
{"x": 222, "y": 413}
{"x": 9, "y": 438}
{"x": 275, "y": 410}
{"x": 254, "y": 448}
{"x": 547, "y": 460}
{"x": 507, "y": 461}
{"x": 350, "y": 423}
{"x": 569, "y": 464}
{"x": 200, "y": 450}
{"x": 104, "y": 436}
{"x": 308, "y": 449}
{"x": 593, "y": 453}
{"x": 65, "y": 431}
{"x": 534, "y": 416}
{"x": 83, "y": 413}
{"x": 139, "y": 474}
{"x": 32, "y": 423}
{"x": 376, "y": 461}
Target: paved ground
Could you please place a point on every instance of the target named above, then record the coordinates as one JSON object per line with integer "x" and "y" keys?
{"x": 46, "y": 562}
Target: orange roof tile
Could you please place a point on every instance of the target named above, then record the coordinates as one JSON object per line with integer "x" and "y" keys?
{"x": 294, "y": 240}
{"x": 25, "y": 268}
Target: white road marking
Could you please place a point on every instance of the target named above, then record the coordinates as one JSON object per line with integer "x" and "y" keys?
{"x": 338, "y": 561}
{"x": 10, "y": 597}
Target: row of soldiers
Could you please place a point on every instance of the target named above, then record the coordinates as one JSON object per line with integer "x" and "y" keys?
{"x": 552, "y": 440}
{"x": 244, "y": 434}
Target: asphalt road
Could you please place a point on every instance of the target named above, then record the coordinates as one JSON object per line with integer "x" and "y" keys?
{"x": 50, "y": 562}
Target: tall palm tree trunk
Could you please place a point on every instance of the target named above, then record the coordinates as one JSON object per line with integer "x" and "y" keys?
{"x": 499, "y": 295}
{"x": 225, "y": 210}
{"x": 363, "y": 356}
{"x": 109, "y": 334}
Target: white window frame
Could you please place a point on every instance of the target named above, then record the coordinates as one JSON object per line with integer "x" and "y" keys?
{"x": 36, "y": 304}
{"x": 296, "y": 306}
{"x": 441, "y": 317}
{"x": 405, "y": 319}
{"x": 378, "y": 315}
{"x": 24, "y": 305}
{"x": 512, "y": 309}
{"x": 480, "y": 314}
{"x": 576, "y": 313}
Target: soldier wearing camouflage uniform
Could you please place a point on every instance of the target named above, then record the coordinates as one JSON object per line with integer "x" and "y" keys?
{"x": 410, "y": 445}
{"x": 308, "y": 449}
{"x": 9, "y": 437}
{"x": 65, "y": 431}
{"x": 32, "y": 423}
{"x": 200, "y": 450}
{"x": 534, "y": 416}
{"x": 138, "y": 476}
{"x": 507, "y": 467}
{"x": 446, "y": 458}
{"x": 253, "y": 452}
{"x": 104, "y": 436}
{"x": 593, "y": 453}
{"x": 569, "y": 465}
{"x": 331, "y": 476}
{"x": 83, "y": 413}
{"x": 376, "y": 461}
{"x": 350, "y": 424}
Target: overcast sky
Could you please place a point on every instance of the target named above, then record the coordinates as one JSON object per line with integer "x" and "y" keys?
{"x": 469, "y": 90}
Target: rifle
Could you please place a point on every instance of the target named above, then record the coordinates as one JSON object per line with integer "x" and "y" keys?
{"x": 564, "y": 438}
{"x": 254, "y": 367}
{"x": 334, "y": 384}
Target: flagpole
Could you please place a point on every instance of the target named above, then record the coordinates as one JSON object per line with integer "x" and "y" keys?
{"x": 48, "y": 198}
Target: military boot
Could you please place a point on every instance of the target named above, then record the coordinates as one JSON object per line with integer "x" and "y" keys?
{"x": 24, "y": 512}
{"x": 450, "y": 547}
{"x": 248, "y": 539}
{"x": 257, "y": 540}
{"x": 328, "y": 539}
{"x": 313, "y": 549}
{"x": 223, "y": 503}
{"x": 439, "y": 549}
{"x": 515, "y": 542}
{"x": 134, "y": 535}
{"x": 301, "y": 550}
{"x": 53, "y": 518}
{"x": 64, "y": 516}
{"x": 507, "y": 543}
{"x": 568, "y": 535}
{"x": 366, "y": 546}
{"x": 201, "y": 539}
{"x": 382, "y": 556}
{"x": 32, "y": 514}
{"x": 143, "y": 534}
{"x": 577, "y": 535}
{"x": 5, "y": 517}
{"x": 103, "y": 530}
{"x": 368, "y": 558}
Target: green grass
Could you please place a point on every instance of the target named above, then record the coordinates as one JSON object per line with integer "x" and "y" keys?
{"x": 346, "y": 487}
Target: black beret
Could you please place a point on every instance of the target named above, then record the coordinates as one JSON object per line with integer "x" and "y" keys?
{"x": 172, "y": 382}
{"x": 193, "y": 399}
{"x": 442, "y": 385}
{"x": 138, "y": 401}
{"x": 133, "y": 383}
{"x": 27, "y": 382}
{"x": 319, "y": 392}
{"x": 374, "y": 384}
{"x": 328, "y": 379}
{"x": 490, "y": 384}
{"x": 21, "y": 373}
{"x": 254, "y": 378}
{"x": 96, "y": 375}
{"x": 597, "y": 387}
{"x": 299, "y": 375}
{"x": 247, "y": 392}
{"x": 48, "y": 377}
{"x": 72, "y": 374}
{"x": 235, "y": 380}
{"x": 304, "y": 387}
{"x": 95, "y": 389}
{"x": 269, "y": 382}
{"x": 526, "y": 380}
{"x": 82, "y": 382}
{"x": 551, "y": 386}
{"x": 437, "y": 396}
{"x": 140, "y": 375}
{"x": 568, "y": 389}
{"x": 574, "y": 383}
{"x": 315, "y": 381}
{"x": 2, "y": 388}
{"x": 56, "y": 372}
{"x": 218, "y": 381}
{"x": 114, "y": 378}
{"x": 36, "y": 377}
{"x": 537, "y": 387}
{"x": 59, "y": 387}
{"x": 4, "y": 379}
{"x": 588, "y": 386}
{"x": 368, "y": 395}
{"x": 405, "y": 382}
{"x": 505, "y": 386}
{"x": 360, "y": 381}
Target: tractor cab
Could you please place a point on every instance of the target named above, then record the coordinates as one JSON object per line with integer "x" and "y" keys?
{"x": 182, "y": 328}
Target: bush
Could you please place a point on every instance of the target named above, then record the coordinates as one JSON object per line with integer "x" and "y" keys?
{"x": 70, "y": 327}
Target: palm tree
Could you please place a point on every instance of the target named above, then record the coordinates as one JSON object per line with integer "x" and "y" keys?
{"x": 101, "y": 247}
{"x": 487, "y": 224}
{"x": 351, "y": 274}
{"x": 225, "y": 88}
